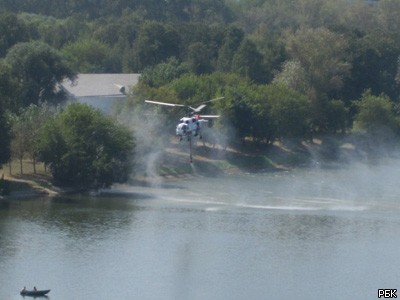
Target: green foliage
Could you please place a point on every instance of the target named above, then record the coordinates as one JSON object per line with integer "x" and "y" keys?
{"x": 191, "y": 89}
{"x": 293, "y": 75}
{"x": 5, "y": 139}
{"x": 289, "y": 112}
{"x": 236, "y": 110}
{"x": 232, "y": 40}
{"x": 198, "y": 59}
{"x": 262, "y": 112}
{"x": 375, "y": 113}
{"x": 156, "y": 42}
{"x": 25, "y": 128}
{"x": 187, "y": 89}
{"x": 323, "y": 49}
{"x": 319, "y": 64}
{"x": 89, "y": 56}
{"x": 163, "y": 73}
{"x": 266, "y": 112}
{"x": 375, "y": 66}
{"x": 248, "y": 62}
{"x": 8, "y": 88}
{"x": 86, "y": 149}
{"x": 56, "y": 32}
{"x": 323, "y": 58}
{"x": 38, "y": 69}
{"x": 337, "y": 116}
{"x": 117, "y": 31}
{"x": 12, "y": 31}
{"x": 272, "y": 50}
{"x": 20, "y": 130}
{"x": 389, "y": 16}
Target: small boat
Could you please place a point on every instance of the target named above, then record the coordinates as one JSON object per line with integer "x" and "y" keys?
{"x": 34, "y": 293}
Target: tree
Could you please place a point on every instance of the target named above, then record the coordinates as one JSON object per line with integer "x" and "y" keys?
{"x": 271, "y": 48}
{"x": 233, "y": 39}
{"x": 6, "y": 96}
{"x": 376, "y": 124}
{"x": 323, "y": 57}
{"x": 89, "y": 56}
{"x": 38, "y": 69}
{"x": 375, "y": 66}
{"x": 12, "y": 31}
{"x": 289, "y": 112}
{"x": 238, "y": 110}
{"x": 337, "y": 116}
{"x": 5, "y": 139}
{"x": 20, "y": 131}
{"x": 86, "y": 149}
{"x": 360, "y": 16}
{"x": 389, "y": 16}
{"x": 163, "y": 73}
{"x": 199, "y": 58}
{"x": 248, "y": 62}
{"x": 26, "y": 127}
{"x": 375, "y": 114}
{"x": 118, "y": 29}
{"x": 293, "y": 75}
{"x": 319, "y": 62}
{"x": 8, "y": 88}
{"x": 56, "y": 32}
{"x": 155, "y": 43}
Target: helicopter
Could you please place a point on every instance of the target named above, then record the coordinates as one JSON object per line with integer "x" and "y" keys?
{"x": 192, "y": 125}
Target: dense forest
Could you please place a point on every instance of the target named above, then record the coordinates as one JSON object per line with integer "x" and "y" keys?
{"x": 286, "y": 68}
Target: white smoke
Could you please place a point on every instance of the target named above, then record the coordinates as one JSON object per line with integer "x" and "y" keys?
{"x": 151, "y": 139}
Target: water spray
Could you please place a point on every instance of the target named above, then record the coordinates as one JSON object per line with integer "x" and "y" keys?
{"x": 190, "y": 149}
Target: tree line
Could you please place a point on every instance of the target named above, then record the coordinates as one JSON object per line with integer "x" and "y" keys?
{"x": 262, "y": 113}
{"x": 286, "y": 69}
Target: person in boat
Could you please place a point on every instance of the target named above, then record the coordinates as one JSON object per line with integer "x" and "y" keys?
{"x": 34, "y": 288}
{"x": 23, "y": 290}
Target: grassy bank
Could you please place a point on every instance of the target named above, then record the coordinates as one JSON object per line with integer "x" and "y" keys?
{"x": 174, "y": 163}
{"x": 250, "y": 158}
{"x": 22, "y": 180}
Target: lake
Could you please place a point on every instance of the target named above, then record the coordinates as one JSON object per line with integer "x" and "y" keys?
{"x": 330, "y": 233}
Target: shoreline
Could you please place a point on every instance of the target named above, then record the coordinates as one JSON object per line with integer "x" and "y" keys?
{"x": 173, "y": 165}
{"x": 29, "y": 187}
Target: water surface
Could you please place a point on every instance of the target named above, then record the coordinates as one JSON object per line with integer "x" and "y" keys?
{"x": 306, "y": 234}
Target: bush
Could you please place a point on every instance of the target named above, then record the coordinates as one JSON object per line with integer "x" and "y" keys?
{"x": 86, "y": 149}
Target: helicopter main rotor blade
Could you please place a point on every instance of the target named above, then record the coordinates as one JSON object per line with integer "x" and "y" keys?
{"x": 164, "y": 103}
{"x": 197, "y": 109}
{"x": 203, "y": 104}
{"x": 209, "y": 116}
{"x": 215, "y": 99}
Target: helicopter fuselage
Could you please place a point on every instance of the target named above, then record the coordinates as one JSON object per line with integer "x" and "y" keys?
{"x": 190, "y": 126}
